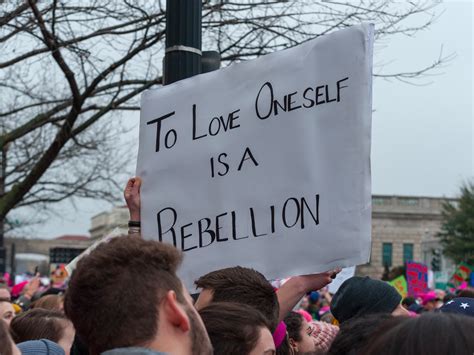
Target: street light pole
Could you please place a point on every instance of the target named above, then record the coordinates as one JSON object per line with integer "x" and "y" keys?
{"x": 3, "y": 173}
{"x": 183, "y": 40}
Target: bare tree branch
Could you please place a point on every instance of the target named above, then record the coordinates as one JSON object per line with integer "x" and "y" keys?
{"x": 68, "y": 70}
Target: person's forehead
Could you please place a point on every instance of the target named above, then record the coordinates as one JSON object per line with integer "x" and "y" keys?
{"x": 6, "y": 306}
{"x": 266, "y": 344}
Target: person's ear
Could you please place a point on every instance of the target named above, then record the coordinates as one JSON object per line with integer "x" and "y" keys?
{"x": 293, "y": 345}
{"x": 174, "y": 312}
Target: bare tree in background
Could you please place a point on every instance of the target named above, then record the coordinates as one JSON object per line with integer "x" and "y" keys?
{"x": 67, "y": 70}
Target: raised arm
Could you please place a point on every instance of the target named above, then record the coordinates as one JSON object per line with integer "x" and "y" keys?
{"x": 295, "y": 288}
{"x": 132, "y": 198}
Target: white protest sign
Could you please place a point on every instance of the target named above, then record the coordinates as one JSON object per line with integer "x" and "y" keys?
{"x": 345, "y": 274}
{"x": 266, "y": 163}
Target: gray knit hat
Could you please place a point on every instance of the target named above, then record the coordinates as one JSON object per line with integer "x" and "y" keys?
{"x": 40, "y": 347}
{"x": 362, "y": 295}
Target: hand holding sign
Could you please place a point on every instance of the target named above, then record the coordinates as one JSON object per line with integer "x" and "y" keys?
{"x": 296, "y": 287}
{"x": 132, "y": 197}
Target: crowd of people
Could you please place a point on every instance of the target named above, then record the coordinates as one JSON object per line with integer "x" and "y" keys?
{"x": 125, "y": 298}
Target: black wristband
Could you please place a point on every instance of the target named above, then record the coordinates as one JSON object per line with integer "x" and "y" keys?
{"x": 134, "y": 224}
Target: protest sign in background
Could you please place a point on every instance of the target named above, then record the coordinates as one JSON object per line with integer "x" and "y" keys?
{"x": 264, "y": 164}
{"x": 460, "y": 275}
{"x": 441, "y": 279}
{"x": 58, "y": 274}
{"x": 417, "y": 278}
{"x": 345, "y": 274}
{"x": 400, "y": 284}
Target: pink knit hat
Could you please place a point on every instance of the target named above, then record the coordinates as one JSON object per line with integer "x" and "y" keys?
{"x": 305, "y": 315}
{"x": 18, "y": 288}
{"x": 428, "y": 297}
{"x": 324, "y": 334}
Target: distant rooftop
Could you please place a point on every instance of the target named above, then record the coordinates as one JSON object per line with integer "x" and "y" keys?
{"x": 72, "y": 237}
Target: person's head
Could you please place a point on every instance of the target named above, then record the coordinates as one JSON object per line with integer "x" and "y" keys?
{"x": 36, "y": 324}
{"x": 327, "y": 317}
{"x": 237, "y": 329}
{"x": 356, "y": 333}
{"x": 305, "y": 315}
{"x": 7, "y": 345}
{"x": 5, "y": 292}
{"x": 125, "y": 293}
{"x": 40, "y": 347}
{"x": 459, "y": 305}
{"x": 304, "y": 303}
{"x": 7, "y": 312}
{"x": 408, "y": 301}
{"x": 448, "y": 298}
{"x": 51, "y": 302}
{"x": 323, "y": 335}
{"x": 432, "y": 333}
{"x": 429, "y": 300}
{"x": 314, "y": 298}
{"x": 440, "y": 294}
{"x": 240, "y": 285}
{"x": 467, "y": 292}
{"x": 299, "y": 334}
{"x": 415, "y": 308}
{"x": 359, "y": 296}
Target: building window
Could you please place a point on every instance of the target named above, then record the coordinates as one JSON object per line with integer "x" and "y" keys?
{"x": 387, "y": 254}
{"x": 408, "y": 201}
{"x": 407, "y": 252}
{"x": 378, "y": 201}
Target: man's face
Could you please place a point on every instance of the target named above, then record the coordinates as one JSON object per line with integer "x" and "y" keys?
{"x": 204, "y": 299}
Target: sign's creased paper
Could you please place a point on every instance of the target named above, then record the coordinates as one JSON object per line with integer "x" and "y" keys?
{"x": 264, "y": 164}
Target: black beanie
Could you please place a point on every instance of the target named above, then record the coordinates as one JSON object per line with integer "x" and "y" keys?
{"x": 362, "y": 295}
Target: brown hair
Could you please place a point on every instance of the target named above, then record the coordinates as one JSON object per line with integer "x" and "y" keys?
{"x": 114, "y": 294}
{"x": 37, "y": 324}
{"x": 234, "y": 328}
{"x": 51, "y": 302}
{"x": 5, "y": 339}
{"x": 356, "y": 332}
{"x": 431, "y": 333}
{"x": 294, "y": 322}
{"x": 245, "y": 286}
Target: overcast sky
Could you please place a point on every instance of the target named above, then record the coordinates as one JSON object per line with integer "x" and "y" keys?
{"x": 422, "y": 136}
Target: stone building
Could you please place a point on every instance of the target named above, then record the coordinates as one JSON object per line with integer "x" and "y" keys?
{"x": 403, "y": 228}
{"x": 32, "y": 252}
{"x": 107, "y": 221}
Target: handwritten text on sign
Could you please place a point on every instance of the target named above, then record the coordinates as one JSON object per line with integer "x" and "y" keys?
{"x": 417, "y": 278}
{"x": 262, "y": 160}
